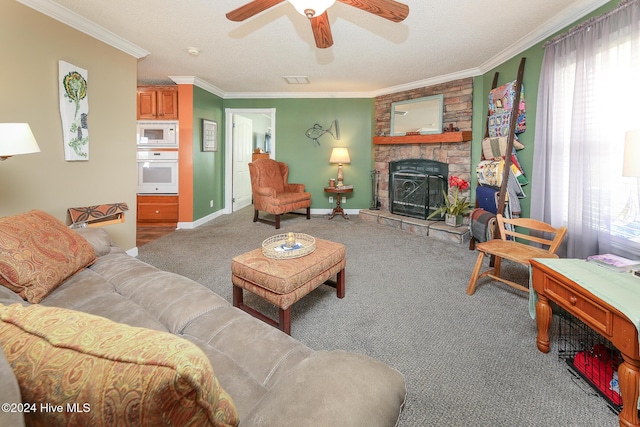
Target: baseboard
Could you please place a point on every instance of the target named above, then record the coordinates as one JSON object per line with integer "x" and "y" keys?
{"x": 199, "y": 222}
{"x": 328, "y": 211}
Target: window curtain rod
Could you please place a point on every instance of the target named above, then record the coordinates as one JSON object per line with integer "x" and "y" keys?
{"x": 588, "y": 23}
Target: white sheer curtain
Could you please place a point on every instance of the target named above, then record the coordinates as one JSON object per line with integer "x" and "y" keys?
{"x": 589, "y": 96}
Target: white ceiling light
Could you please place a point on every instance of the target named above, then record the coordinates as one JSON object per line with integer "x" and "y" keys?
{"x": 193, "y": 51}
{"x": 312, "y": 8}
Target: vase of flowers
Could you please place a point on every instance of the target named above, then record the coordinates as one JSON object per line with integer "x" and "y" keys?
{"x": 453, "y": 220}
{"x": 454, "y": 206}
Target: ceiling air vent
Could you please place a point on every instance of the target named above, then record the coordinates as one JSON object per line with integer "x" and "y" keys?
{"x": 297, "y": 80}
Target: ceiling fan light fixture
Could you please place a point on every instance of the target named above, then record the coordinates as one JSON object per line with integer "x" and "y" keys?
{"x": 312, "y": 8}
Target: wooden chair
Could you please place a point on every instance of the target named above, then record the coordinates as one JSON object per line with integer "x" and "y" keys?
{"x": 272, "y": 192}
{"x": 514, "y": 250}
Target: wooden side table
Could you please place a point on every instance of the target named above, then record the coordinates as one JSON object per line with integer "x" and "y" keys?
{"x": 573, "y": 289}
{"x": 338, "y": 209}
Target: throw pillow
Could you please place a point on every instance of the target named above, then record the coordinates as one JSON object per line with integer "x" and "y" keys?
{"x": 88, "y": 370}
{"x": 98, "y": 238}
{"x": 38, "y": 252}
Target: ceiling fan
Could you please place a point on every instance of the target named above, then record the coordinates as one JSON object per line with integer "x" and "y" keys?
{"x": 316, "y": 11}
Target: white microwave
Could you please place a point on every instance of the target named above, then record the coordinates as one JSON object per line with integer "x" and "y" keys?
{"x": 158, "y": 133}
{"x": 157, "y": 172}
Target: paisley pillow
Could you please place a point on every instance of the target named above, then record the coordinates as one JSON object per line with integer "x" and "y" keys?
{"x": 103, "y": 373}
{"x": 38, "y": 252}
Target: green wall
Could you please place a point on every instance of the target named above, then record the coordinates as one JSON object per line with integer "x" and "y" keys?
{"x": 508, "y": 71}
{"x": 309, "y": 164}
{"x": 208, "y": 167}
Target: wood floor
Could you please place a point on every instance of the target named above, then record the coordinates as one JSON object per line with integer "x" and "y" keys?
{"x": 149, "y": 234}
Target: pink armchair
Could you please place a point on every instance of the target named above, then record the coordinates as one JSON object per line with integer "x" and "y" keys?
{"x": 273, "y": 194}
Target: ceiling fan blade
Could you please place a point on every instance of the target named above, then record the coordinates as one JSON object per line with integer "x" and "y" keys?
{"x": 251, "y": 9}
{"x": 388, "y": 9}
{"x": 322, "y": 31}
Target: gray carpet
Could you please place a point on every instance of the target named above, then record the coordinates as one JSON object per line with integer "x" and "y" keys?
{"x": 467, "y": 360}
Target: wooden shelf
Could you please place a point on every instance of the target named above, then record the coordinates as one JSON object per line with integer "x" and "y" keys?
{"x": 115, "y": 219}
{"x": 435, "y": 138}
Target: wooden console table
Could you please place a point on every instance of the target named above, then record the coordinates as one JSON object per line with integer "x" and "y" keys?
{"x": 598, "y": 297}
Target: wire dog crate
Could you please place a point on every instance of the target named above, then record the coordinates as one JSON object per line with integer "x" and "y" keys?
{"x": 590, "y": 356}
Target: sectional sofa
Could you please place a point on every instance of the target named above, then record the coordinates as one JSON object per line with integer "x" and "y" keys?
{"x": 92, "y": 336}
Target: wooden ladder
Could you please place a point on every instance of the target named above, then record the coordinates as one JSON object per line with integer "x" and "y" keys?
{"x": 512, "y": 131}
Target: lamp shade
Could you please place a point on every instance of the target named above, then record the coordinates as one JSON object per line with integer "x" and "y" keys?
{"x": 312, "y": 8}
{"x": 16, "y": 138}
{"x": 340, "y": 155}
{"x": 631, "y": 159}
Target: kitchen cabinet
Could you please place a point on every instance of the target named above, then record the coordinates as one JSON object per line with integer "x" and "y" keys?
{"x": 157, "y": 103}
{"x": 157, "y": 210}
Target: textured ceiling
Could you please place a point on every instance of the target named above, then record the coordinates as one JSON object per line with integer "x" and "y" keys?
{"x": 440, "y": 40}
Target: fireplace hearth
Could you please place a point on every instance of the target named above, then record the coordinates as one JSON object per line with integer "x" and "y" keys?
{"x": 416, "y": 187}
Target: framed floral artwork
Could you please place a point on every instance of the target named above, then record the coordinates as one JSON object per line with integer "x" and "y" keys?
{"x": 209, "y": 135}
{"x": 74, "y": 111}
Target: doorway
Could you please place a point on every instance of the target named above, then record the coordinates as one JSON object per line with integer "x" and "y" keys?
{"x": 245, "y": 130}
{"x": 242, "y": 145}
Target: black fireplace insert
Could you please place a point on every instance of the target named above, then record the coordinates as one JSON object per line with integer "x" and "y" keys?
{"x": 416, "y": 187}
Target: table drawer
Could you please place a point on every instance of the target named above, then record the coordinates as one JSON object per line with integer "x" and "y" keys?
{"x": 163, "y": 213}
{"x": 596, "y": 316}
{"x": 157, "y": 209}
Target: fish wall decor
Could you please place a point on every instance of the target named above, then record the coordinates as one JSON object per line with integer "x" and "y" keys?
{"x": 316, "y": 131}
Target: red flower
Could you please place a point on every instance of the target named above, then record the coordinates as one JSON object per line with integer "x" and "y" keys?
{"x": 456, "y": 181}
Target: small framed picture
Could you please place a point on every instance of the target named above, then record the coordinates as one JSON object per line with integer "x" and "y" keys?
{"x": 209, "y": 135}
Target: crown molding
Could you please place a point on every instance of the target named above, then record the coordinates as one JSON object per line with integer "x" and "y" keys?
{"x": 72, "y": 19}
{"x": 294, "y": 95}
{"x": 544, "y": 32}
{"x": 471, "y": 72}
{"x": 197, "y": 81}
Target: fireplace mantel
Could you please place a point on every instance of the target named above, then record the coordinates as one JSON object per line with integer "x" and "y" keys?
{"x": 437, "y": 138}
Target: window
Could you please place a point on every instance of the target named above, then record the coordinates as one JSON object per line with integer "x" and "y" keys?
{"x": 589, "y": 100}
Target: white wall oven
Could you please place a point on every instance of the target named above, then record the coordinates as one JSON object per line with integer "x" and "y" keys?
{"x": 157, "y": 134}
{"x": 157, "y": 172}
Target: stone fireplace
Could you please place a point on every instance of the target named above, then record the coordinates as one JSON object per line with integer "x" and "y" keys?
{"x": 450, "y": 148}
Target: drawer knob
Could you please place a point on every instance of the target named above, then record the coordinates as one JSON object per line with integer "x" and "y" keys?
{"x": 157, "y": 211}
{"x": 573, "y": 300}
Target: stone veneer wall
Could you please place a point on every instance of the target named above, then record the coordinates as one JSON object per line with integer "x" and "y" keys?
{"x": 458, "y": 96}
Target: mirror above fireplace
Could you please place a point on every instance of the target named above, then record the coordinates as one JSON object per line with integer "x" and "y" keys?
{"x": 419, "y": 115}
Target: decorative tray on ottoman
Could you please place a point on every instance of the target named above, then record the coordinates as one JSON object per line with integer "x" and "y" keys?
{"x": 276, "y": 247}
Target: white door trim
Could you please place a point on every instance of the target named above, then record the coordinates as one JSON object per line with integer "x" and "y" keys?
{"x": 228, "y": 152}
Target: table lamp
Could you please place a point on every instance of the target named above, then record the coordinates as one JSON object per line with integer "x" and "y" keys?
{"x": 16, "y": 138}
{"x": 340, "y": 155}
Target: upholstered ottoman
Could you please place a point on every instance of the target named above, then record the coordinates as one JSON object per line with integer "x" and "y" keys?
{"x": 283, "y": 282}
